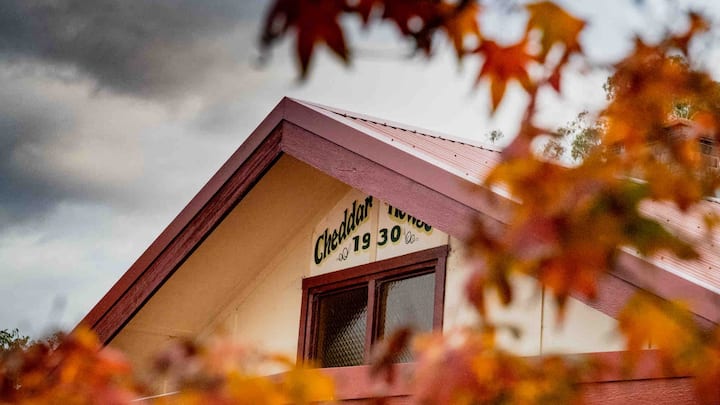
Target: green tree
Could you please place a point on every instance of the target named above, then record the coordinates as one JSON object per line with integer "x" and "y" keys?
{"x": 13, "y": 339}
{"x": 581, "y": 136}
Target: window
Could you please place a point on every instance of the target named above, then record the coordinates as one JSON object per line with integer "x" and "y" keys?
{"x": 345, "y": 312}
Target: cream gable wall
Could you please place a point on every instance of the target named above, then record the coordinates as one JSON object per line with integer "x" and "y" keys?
{"x": 245, "y": 279}
{"x": 266, "y": 312}
{"x": 584, "y": 329}
{"x": 273, "y": 219}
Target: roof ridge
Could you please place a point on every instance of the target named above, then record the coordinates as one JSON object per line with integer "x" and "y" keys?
{"x": 415, "y": 131}
{"x": 400, "y": 126}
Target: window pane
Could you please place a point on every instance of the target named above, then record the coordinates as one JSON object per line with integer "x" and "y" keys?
{"x": 408, "y": 302}
{"x": 341, "y": 328}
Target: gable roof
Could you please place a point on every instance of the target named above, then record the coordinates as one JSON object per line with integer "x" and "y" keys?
{"x": 469, "y": 161}
{"x": 431, "y": 176}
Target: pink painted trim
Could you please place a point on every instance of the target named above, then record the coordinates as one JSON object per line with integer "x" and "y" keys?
{"x": 357, "y": 382}
{"x": 443, "y": 212}
{"x": 362, "y": 141}
{"x": 354, "y": 383}
{"x": 645, "y": 275}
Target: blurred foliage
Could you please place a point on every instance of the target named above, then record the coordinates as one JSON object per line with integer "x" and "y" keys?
{"x": 572, "y": 222}
{"x": 568, "y": 230}
{"x": 78, "y": 370}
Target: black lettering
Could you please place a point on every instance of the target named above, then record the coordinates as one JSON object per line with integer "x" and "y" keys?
{"x": 353, "y": 217}
{"x": 326, "y": 242}
{"x": 366, "y": 240}
{"x": 343, "y": 226}
{"x": 401, "y": 216}
{"x": 395, "y": 233}
{"x": 360, "y": 214}
{"x": 383, "y": 237}
{"x": 319, "y": 256}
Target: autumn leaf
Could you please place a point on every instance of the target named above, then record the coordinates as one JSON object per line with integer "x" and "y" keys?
{"x": 555, "y": 78}
{"x": 697, "y": 25}
{"x": 503, "y": 64}
{"x": 306, "y": 386}
{"x": 387, "y": 352}
{"x": 314, "y": 22}
{"x": 668, "y": 325}
{"x": 365, "y": 8}
{"x": 475, "y": 291}
{"x": 519, "y": 151}
{"x": 463, "y": 25}
{"x": 556, "y": 26}
{"x": 415, "y": 19}
{"x": 475, "y": 371}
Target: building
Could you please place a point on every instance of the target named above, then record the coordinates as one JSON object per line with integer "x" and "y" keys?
{"x": 326, "y": 229}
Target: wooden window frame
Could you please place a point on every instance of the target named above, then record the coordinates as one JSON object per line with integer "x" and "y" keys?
{"x": 412, "y": 264}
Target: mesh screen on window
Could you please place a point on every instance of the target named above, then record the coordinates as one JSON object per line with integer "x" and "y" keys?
{"x": 347, "y": 310}
{"x": 406, "y": 302}
{"x": 341, "y": 328}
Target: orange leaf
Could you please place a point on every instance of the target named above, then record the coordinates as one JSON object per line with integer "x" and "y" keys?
{"x": 463, "y": 25}
{"x": 556, "y": 26}
{"x": 497, "y": 91}
{"x": 503, "y": 64}
{"x": 698, "y": 25}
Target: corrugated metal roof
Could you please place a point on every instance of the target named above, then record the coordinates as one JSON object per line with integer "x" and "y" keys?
{"x": 474, "y": 162}
{"x": 704, "y": 271}
{"x": 463, "y": 158}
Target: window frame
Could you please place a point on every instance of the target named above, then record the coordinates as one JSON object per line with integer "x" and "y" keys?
{"x": 373, "y": 274}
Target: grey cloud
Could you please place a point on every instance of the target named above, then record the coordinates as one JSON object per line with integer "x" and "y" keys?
{"x": 59, "y": 146}
{"x": 152, "y": 48}
{"x": 24, "y": 193}
{"x": 53, "y": 145}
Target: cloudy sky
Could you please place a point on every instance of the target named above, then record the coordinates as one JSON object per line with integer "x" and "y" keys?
{"x": 114, "y": 113}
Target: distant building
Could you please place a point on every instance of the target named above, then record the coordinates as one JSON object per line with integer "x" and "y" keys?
{"x": 326, "y": 230}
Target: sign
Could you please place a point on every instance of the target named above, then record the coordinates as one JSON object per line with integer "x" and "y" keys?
{"x": 335, "y": 237}
{"x": 328, "y": 242}
{"x": 400, "y": 233}
{"x": 361, "y": 229}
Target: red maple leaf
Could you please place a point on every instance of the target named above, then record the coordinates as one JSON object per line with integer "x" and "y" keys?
{"x": 314, "y": 21}
{"x": 503, "y": 64}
